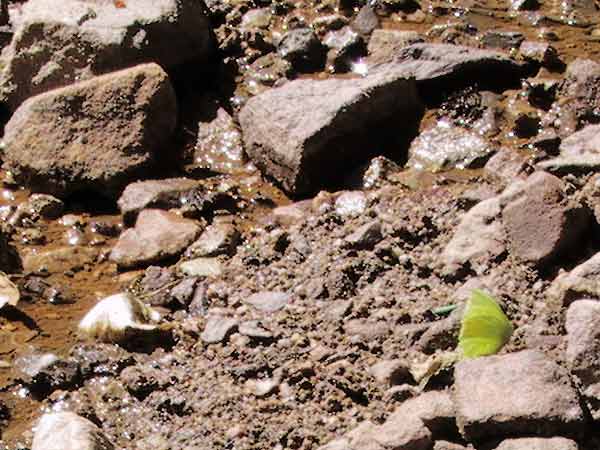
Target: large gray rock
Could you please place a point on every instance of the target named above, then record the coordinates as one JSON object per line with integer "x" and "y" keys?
{"x": 58, "y": 43}
{"x": 519, "y": 393}
{"x": 94, "y": 135}
{"x": 157, "y": 235}
{"x": 438, "y": 67}
{"x": 540, "y": 224}
{"x": 68, "y": 431}
{"x": 532, "y": 219}
{"x": 555, "y": 443}
{"x": 308, "y": 132}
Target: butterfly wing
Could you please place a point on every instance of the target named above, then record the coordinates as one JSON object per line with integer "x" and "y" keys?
{"x": 485, "y": 328}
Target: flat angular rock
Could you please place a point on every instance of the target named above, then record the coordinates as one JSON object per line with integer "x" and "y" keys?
{"x": 159, "y": 194}
{"x": 307, "y": 132}
{"x": 445, "y": 146}
{"x": 269, "y": 301}
{"x": 555, "y": 443}
{"x": 366, "y": 236}
{"x": 581, "y": 282}
{"x": 157, "y": 235}
{"x": 68, "y": 431}
{"x": 438, "y": 67}
{"x": 478, "y": 239}
{"x": 201, "y": 267}
{"x": 59, "y": 43}
{"x": 217, "y": 239}
{"x": 434, "y": 408}
{"x": 366, "y": 21}
{"x": 391, "y": 372}
{"x": 217, "y": 328}
{"x": 407, "y": 434}
{"x": 519, "y": 393}
{"x": 578, "y": 152}
{"x": 94, "y": 135}
{"x": 539, "y": 223}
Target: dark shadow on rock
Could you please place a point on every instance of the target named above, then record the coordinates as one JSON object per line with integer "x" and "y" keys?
{"x": 493, "y": 76}
{"x": 148, "y": 342}
{"x": 13, "y": 314}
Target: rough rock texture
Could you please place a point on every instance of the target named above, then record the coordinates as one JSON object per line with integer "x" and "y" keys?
{"x": 58, "y": 43}
{"x": 519, "y": 393}
{"x": 399, "y": 433}
{"x": 385, "y": 44}
{"x": 160, "y": 194}
{"x": 578, "y": 152}
{"x": 157, "y": 235}
{"x": 578, "y": 98}
{"x": 539, "y": 223}
{"x": 555, "y": 443}
{"x": 68, "y": 431}
{"x": 583, "y": 344}
{"x": 434, "y": 408}
{"x": 217, "y": 239}
{"x": 94, "y": 135}
{"x": 478, "y": 239}
{"x": 269, "y": 301}
{"x": 302, "y": 48}
{"x": 296, "y": 133}
{"x": 581, "y": 282}
{"x": 452, "y": 66}
{"x": 506, "y": 165}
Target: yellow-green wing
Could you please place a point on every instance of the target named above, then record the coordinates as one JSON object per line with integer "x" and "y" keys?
{"x": 485, "y": 328}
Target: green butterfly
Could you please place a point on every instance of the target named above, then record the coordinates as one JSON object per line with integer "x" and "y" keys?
{"x": 485, "y": 328}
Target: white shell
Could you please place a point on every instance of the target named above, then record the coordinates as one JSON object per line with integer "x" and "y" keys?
{"x": 68, "y": 431}
{"x": 117, "y": 317}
